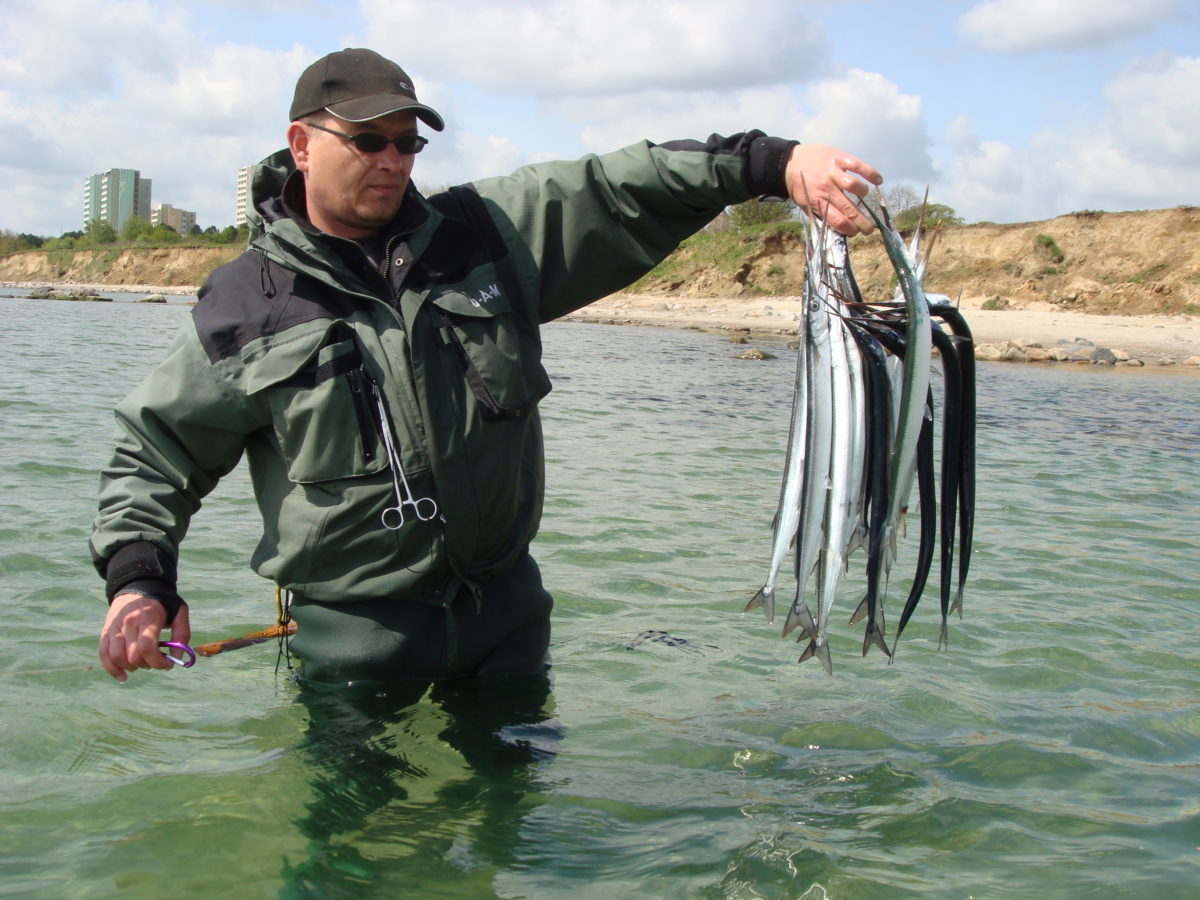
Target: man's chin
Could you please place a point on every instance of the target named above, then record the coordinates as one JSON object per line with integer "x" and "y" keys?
{"x": 379, "y": 215}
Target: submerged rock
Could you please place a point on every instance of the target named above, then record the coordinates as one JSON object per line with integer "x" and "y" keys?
{"x": 84, "y": 294}
{"x": 754, "y": 353}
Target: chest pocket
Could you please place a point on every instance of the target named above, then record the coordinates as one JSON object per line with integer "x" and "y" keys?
{"x": 502, "y": 367}
{"x": 322, "y": 416}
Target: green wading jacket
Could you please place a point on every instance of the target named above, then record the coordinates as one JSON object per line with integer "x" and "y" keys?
{"x": 278, "y": 359}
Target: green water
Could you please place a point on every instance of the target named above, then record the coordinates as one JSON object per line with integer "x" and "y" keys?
{"x": 1052, "y": 751}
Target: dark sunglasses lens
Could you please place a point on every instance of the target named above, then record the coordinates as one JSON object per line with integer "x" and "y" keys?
{"x": 370, "y": 142}
{"x": 410, "y": 143}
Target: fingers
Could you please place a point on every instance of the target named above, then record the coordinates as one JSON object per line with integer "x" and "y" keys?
{"x": 129, "y": 638}
{"x": 823, "y": 180}
{"x": 867, "y": 173}
{"x": 181, "y": 628}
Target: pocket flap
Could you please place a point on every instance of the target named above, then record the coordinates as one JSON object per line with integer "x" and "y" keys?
{"x": 484, "y": 302}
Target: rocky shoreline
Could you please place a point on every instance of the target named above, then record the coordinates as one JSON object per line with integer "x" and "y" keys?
{"x": 88, "y": 289}
{"x": 1011, "y": 335}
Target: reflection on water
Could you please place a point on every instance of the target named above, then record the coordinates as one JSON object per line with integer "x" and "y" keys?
{"x": 402, "y": 789}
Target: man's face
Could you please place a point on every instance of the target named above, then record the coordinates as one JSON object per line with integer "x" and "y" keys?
{"x": 350, "y": 193}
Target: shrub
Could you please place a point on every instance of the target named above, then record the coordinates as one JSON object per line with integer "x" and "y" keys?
{"x": 1046, "y": 245}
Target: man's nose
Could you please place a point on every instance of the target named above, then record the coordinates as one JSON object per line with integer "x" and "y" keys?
{"x": 389, "y": 158}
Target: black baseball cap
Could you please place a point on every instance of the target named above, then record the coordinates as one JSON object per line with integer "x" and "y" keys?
{"x": 358, "y": 85}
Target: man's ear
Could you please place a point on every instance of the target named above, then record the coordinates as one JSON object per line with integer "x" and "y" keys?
{"x": 297, "y": 138}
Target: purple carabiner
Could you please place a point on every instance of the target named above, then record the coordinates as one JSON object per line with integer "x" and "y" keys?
{"x": 188, "y": 653}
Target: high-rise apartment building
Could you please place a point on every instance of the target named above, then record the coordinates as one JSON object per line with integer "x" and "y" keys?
{"x": 243, "y": 195}
{"x": 114, "y": 196}
{"x": 181, "y": 220}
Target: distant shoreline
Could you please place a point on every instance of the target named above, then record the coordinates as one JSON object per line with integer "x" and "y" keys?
{"x": 175, "y": 290}
{"x": 1155, "y": 341}
{"x": 1018, "y": 335}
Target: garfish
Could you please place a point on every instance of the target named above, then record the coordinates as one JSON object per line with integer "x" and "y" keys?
{"x": 818, "y": 432}
{"x": 787, "y": 516}
{"x": 839, "y": 501}
{"x": 915, "y": 380}
{"x": 875, "y": 481}
{"x": 965, "y": 354}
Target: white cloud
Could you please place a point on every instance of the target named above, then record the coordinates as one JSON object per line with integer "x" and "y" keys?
{"x": 470, "y": 155}
{"x": 1152, "y": 110}
{"x": 152, "y": 97}
{"x": 662, "y": 115}
{"x": 986, "y": 179}
{"x": 1143, "y": 153}
{"x": 867, "y": 115}
{"x": 1022, "y": 26}
{"x": 596, "y": 48}
{"x": 81, "y": 47}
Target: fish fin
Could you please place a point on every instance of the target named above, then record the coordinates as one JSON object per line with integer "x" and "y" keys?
{"x": 874, "y": 636}
{"x": 860, "y": 612}
{"x": 800, "y": 615}
{"x": 819, "y": 649}
{"x": 766, "y": 599}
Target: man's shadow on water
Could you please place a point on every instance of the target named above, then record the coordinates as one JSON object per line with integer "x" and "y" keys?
{"x": 419, "y": 787}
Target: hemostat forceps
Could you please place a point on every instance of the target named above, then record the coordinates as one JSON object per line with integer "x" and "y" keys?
{"x": 424, "y": 508}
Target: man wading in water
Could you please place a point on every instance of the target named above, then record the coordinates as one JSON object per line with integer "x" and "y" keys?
{"x": 376, "y": 356}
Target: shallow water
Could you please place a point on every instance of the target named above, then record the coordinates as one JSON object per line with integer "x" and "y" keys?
{"x": 1053, "y": 750}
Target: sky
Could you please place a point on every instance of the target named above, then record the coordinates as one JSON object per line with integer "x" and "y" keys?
{"x": 1006, "y": 110}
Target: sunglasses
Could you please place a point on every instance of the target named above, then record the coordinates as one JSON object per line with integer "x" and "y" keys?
{"x": 372, "y": 142}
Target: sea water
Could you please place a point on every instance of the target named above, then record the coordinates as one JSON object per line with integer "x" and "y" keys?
{"x": 1052, "y": 750}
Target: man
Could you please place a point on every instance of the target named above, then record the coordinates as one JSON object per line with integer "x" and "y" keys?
{"x": 376, "y": 355}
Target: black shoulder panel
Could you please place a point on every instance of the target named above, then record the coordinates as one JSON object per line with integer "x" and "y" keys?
{"x": 253, "y": 297}
{"x": 467, "y": 237}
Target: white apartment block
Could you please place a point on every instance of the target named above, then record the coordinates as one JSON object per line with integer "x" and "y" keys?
{"x": 243, "y": 196}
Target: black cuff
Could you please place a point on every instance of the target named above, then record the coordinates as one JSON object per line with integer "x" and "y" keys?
{"x": 156, "y": 590}
{"x": 766, "y": 164}
{"x": 138, "y": 561}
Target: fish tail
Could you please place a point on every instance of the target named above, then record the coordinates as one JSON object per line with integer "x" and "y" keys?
{"x": 863, "y": 611}
{"x": 874, "y": 636}
{"x": 820, "y": 649}
{"x": 800, "y": 615}
{"x": 956, "y": 606}
{"x": 766, "y": 599}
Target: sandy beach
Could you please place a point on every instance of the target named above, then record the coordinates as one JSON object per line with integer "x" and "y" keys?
{"x": 1148, "y": 340}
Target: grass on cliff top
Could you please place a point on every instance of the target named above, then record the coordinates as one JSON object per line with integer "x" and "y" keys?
{"x": 723, "y": 253}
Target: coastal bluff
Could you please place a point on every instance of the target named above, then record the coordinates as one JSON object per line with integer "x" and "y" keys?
{"x": 159, "y": 266}
{"x": 1126, "y": 264}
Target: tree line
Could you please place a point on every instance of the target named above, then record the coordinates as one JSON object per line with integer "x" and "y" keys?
{"x": 135, "y": 232}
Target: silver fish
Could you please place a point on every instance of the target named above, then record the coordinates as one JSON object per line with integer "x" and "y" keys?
{"x": 809, "y": 539}
{"x": 787, "y": 516}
